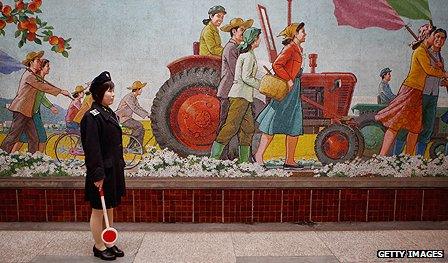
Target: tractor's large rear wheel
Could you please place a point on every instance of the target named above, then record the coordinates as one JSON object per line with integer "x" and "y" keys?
{"x": 336, "y": 143}
{"x": 185, "y": 112}
{"x": 373, "y": 133}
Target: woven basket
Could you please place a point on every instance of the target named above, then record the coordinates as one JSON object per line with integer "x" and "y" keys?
{"x": 273, "y": 87}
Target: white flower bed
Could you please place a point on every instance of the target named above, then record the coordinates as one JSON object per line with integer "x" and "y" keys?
{"x": 165, "y": 163}
{"x": 156, "y": 163}
{"x": 391, "y": 166}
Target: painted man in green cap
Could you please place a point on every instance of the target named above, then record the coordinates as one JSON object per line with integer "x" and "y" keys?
{"x": 210, "y": 41}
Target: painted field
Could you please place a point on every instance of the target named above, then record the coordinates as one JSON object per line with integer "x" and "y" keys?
{"x": 305, "y": 147}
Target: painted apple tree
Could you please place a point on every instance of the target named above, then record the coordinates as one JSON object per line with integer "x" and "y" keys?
{"x": 31, "y": 28}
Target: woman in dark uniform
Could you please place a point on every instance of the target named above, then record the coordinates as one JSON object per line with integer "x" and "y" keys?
{"x": 101, "y": 141}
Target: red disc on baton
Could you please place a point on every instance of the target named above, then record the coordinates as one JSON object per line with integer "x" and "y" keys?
{"x": 109, "y": 236}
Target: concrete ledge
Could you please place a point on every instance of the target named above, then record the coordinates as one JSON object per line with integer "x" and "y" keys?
{"x": 235, "y": 183}
{"x": 236, "y": 227}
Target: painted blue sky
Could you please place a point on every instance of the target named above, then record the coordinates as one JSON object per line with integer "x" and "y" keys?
{"x": 135, "y": 40}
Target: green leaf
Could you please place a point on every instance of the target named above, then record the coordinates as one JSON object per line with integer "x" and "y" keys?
{"x": 24, "y": 36}
{"x": 46, "y": 38}
{"x": 20, "y": 43}
{"x": 68, "y": 40}
{"x": 22, "y": 17}
{"x": 65, "y": 54}
{"x": 39, "y": 22}
{"x": 49, "y": 27}
{"x": 38, "y": 41}
{"x": 44, "y": 24}
{"x": 53, "y": 48}
{"x": 2, "y": 32}
{"x": 38, "y": 11}
{"x": 68, "y": 48}
{"x": 17, "y": 34}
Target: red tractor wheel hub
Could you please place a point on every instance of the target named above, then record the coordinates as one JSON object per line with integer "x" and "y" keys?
{"x": 336, "y": 145}
{"x": 194, "y": 117}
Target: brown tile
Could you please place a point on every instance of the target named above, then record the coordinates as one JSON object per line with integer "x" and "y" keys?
{"x": 381, "y": 205}
{"x": 409, "y": 205}
{"x": 353, "y": 205}
{"x": 60, "y": 205}
{"x": 178, "y": 205}
{"x": 267, "y": 205}
{"x": 83, "y": 208}
{"x": 435, "y": 207}
{"x": 208, "y": 206}
{"x": 148, "y": 205}
{"x": 32, "y": 205}
{"x": 8, "y": 205}
{"x": 296, "y": 205}
{"x": 324, "y": 206}
{"x": 237, "y": 206}
{"x": 125, "y": 211}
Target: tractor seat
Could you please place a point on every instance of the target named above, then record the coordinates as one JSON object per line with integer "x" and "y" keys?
{"x": 195, "y": 48}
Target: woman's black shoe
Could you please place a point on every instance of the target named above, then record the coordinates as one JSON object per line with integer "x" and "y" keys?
{"x": 116, "y": 251}
{"x": 292, "y": 166}
{"x": 104, "y": 255}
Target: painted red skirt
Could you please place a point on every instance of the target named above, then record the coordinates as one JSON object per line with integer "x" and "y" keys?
{"x": 403, "y": 112}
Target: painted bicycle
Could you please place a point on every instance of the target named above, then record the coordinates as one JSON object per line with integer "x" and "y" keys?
{"x": 68, "y": 147}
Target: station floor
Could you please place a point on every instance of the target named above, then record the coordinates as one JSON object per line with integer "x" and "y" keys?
{"x": 241, "y": 243}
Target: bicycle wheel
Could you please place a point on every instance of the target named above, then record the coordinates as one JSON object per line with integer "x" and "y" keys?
{"x": 132, "y": 151}
{"x": 68, "y": 147}
{"x": 50, "y": 146}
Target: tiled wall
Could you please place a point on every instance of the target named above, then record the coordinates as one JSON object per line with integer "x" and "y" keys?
{"x": 232, "y": 205}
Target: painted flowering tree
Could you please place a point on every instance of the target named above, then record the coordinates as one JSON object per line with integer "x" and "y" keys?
{"x": 31, "y": 28}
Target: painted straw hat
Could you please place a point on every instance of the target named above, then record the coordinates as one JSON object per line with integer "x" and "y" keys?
{"x": 137, "y": 85}
{"x": 237, "y": 22}
{"x": 31, "y": 56}
{"x": 78, "y": 89}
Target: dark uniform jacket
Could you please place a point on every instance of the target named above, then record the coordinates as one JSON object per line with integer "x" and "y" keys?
{"x": 102, "y": 144}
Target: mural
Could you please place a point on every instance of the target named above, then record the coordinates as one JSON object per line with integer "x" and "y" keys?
{"x": 230, "y": 91}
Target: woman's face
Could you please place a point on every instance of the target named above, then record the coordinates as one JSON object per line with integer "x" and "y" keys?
{"x": 108, "y": 97}
{"x": 217, "y": 19}
{"x": 256, "y": 43}
{"x": 439, "y": 40}
{"x": 301, "y": 35}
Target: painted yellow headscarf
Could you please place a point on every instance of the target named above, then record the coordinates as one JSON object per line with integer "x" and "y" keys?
{"x": 289, "y": 31}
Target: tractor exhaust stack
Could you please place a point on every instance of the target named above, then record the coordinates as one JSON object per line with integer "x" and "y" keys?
{"x": 313, "y": 62}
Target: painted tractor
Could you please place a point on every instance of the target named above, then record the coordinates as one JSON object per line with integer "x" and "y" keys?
{"x": 185, "y": 111}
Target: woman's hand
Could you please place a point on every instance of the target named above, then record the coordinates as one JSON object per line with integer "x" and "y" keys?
{"x": 290, "y": 85}
{"x": 99, "y": 184}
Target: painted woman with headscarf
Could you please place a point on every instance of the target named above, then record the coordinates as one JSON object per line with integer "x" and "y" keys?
{"x": 285, "y": 116}
{"x": 405, "y": 111}
{"x": 210, "y": 41}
